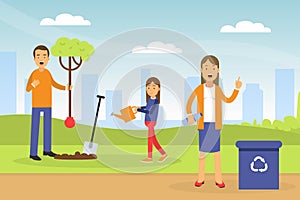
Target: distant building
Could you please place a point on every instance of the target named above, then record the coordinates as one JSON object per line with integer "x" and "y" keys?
{"x": 27, "y": 99}
{"x": 113, "y": 99}
{"x": 253, "y": 103}
{"x": 8, "y": 86}
{"x": 284, "y": 93}
{"x": 145, "y": 74}
{"x": 89, "y": 90}
{"x": 189, "y": 86}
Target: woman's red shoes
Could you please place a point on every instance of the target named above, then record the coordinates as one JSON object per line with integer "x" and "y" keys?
{"x": 198, "y": 184}
{"x": 220, "y": 185}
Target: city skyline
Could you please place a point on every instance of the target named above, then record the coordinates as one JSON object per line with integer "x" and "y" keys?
{"x": 252, "y": 56}
{"x": 283, "y": 76}
{"x": 252, "y": 100}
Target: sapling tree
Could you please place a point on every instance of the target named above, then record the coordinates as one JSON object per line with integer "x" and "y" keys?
{"x": 75, "y": 53}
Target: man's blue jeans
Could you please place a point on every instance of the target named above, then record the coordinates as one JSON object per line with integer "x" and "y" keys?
{"x": 35, "y": 124}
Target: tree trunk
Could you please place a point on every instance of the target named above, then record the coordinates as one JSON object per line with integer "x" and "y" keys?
{"x": 70, "y": 69}
{"x": 70, "y": 83}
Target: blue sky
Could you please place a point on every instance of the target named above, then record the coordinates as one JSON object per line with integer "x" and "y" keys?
{"x": 257, "y": 53}
{"x": 198, "y": 19}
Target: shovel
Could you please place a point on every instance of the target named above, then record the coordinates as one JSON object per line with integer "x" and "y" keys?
{"x": 90, "y": 147}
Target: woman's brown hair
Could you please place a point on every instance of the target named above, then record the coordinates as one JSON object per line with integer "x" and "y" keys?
{"x": 214, "y": 60}
{"x": 156, "y": 82}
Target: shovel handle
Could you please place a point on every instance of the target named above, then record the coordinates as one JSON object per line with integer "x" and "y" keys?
{"x": 101, "y": 97}
{"x": 96, "y": 117}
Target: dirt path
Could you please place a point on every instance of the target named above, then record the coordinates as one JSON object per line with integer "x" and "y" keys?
{"x": 134, "y": 186}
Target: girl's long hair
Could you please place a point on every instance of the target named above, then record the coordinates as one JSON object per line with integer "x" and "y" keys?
{"x": 214, "y": 60}
{"x": 156, "y": 82}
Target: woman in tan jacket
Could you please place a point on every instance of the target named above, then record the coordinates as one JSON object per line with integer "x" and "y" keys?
{"x": 209, "y": 103}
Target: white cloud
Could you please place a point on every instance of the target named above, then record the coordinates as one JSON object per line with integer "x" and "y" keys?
{"x": 65, "y": 19}
{"x": 245, "y": 27}
{"x": 157, "y": 47}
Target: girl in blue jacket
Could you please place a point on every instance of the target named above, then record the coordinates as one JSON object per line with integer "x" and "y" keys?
{"x": 151, "y": 112}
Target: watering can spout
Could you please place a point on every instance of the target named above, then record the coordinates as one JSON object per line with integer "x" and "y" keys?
{"x": 118, "y": 116}
{"x": 127, "y": 114}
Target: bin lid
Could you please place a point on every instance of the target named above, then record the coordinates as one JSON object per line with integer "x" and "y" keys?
{"x": 258, "y": 144}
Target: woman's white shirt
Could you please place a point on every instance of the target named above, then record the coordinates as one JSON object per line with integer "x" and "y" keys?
{"x": 209, "y": 104}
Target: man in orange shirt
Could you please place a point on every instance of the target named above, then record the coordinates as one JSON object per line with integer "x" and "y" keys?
{"x": 40, "y": 84}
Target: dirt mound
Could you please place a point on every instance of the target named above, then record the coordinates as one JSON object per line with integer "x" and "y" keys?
{"x": 76, "y": 156}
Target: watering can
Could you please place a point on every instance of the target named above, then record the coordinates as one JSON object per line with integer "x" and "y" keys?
{"x": 126, "y": 114}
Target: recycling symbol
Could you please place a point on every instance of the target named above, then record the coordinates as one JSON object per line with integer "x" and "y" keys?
{"x": 261, "y": 170}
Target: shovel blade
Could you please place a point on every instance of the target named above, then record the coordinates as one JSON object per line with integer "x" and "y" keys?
{"x": 90, "y": 148}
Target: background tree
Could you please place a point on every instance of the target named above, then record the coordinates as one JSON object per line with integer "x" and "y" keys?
{"x": 76, "y": 52}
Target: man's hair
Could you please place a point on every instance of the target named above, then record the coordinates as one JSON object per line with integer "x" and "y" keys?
{"x": 40, "y": 47}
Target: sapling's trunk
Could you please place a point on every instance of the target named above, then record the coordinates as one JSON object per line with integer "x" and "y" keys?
{"x": 70, "y": 83}
{"x": 70, "y": 122}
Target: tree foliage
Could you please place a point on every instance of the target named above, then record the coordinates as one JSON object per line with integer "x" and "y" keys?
{"x": 72, "y": 47}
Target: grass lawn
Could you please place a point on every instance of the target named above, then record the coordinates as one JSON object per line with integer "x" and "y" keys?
{"x": 15, "y": 130}
{"x": 121, "y": 150}
{"x": 127, "y": 159}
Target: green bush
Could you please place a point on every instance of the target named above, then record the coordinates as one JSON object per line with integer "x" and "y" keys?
{"x": 255, "y": 123}
{"x": 266, "y": 123}
{"x": 291, "y": 122}
{"x": 277, "y": 124}
{"x": 246, "y": 124}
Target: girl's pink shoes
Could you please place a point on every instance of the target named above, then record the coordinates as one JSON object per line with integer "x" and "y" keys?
{"x": 147, "y": 160}
{"x": 163, "y": 158}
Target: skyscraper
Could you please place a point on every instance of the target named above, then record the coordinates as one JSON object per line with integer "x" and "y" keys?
{"x": 27, "y": 98}
{"x": 113, "y": 100}
{"x": 253, "y": 103}
{"x": 89, "y": 91}
{"x": 145, "y": 74}
{"x": 8, "y": 87}
{"x": 284, "y": 93}
{"x": 190, "y": 85}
